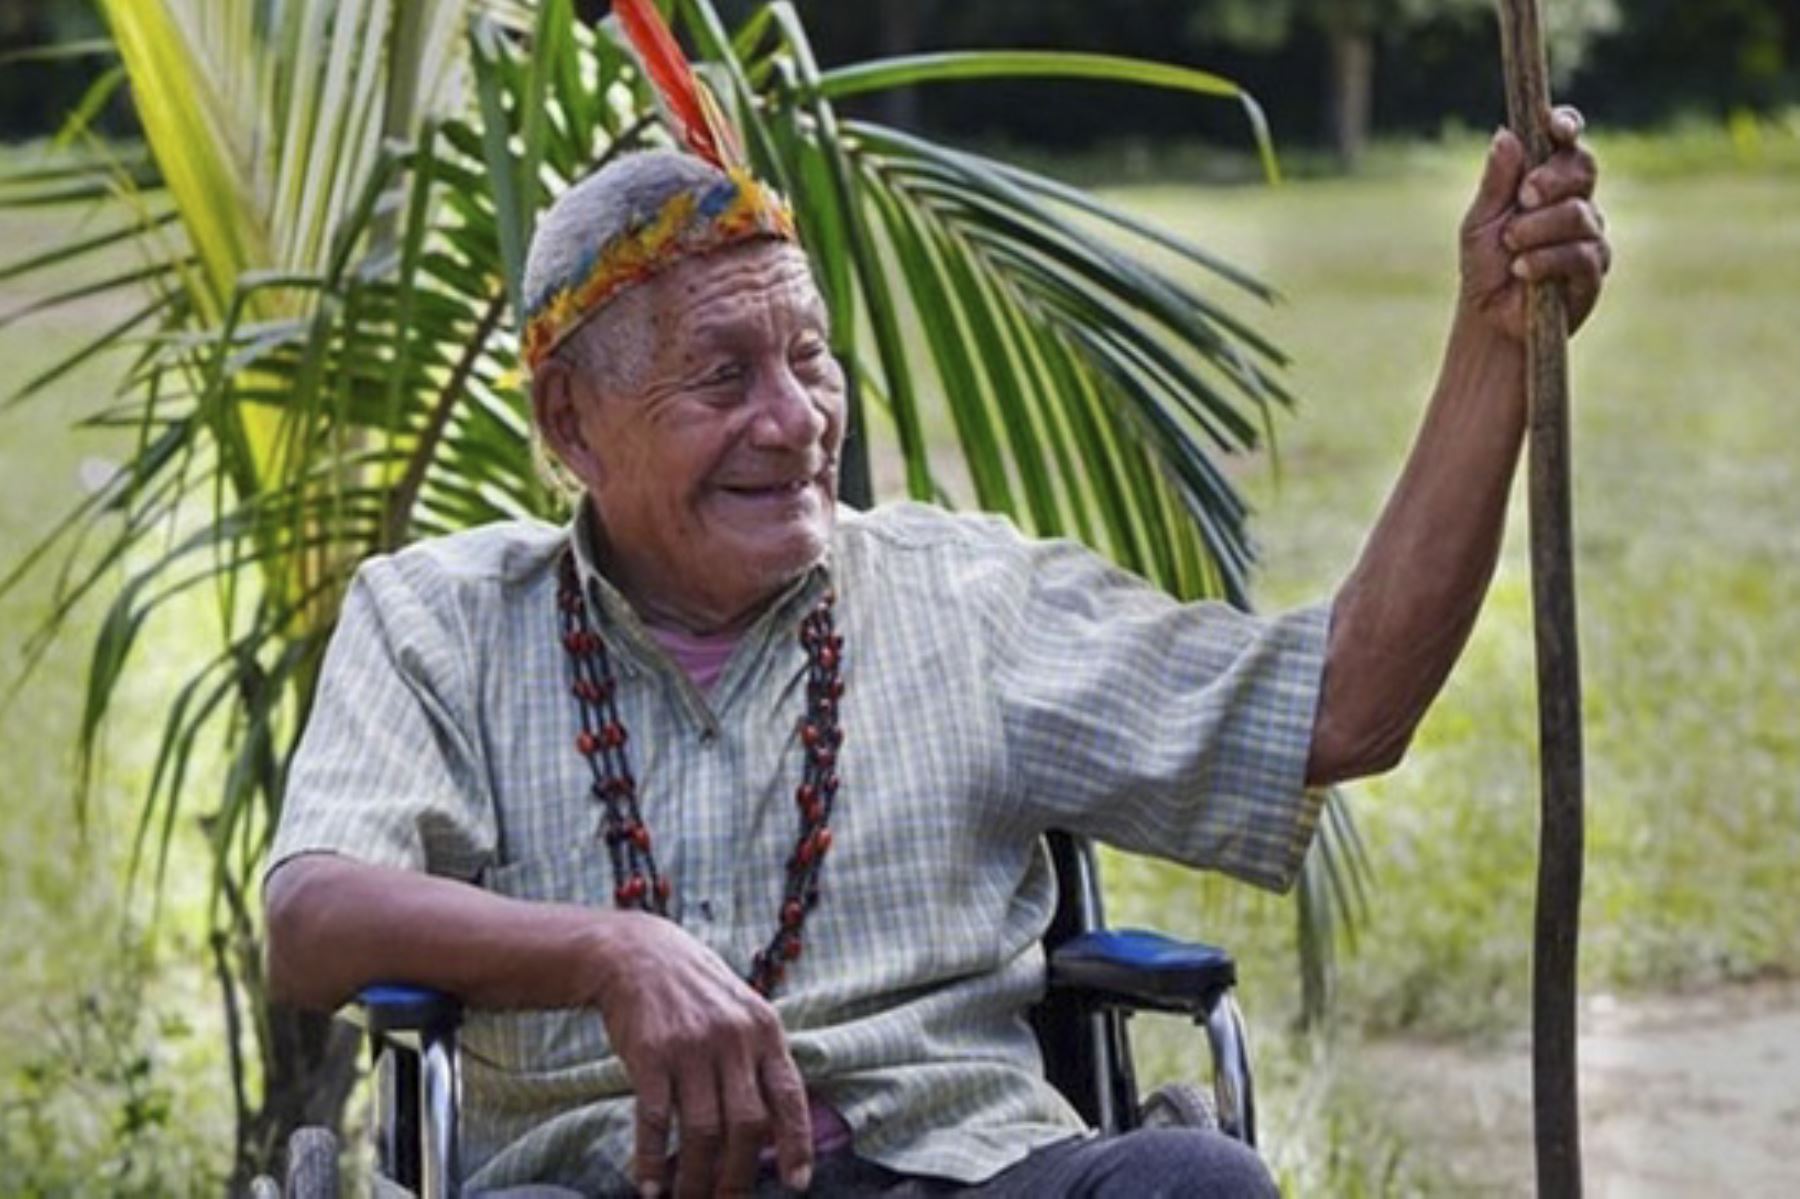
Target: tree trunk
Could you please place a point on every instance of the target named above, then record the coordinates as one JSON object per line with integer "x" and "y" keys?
{"x": 1349, "y": 96}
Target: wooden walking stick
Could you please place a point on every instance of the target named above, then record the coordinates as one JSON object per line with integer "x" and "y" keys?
{"x": 1555, "y": 1109}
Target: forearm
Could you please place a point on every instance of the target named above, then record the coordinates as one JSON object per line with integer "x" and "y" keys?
{"x": 336, "y": 925}
{"x": 1403, "y": 614}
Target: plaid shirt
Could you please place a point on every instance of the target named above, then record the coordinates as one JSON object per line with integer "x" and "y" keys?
{"x": 995, "y": 687}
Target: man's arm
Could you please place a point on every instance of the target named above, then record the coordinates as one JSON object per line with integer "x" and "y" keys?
{"x": 1404, "y": 613}
{"x": 336, "y": 925}
{"x": 698, "y": 1044}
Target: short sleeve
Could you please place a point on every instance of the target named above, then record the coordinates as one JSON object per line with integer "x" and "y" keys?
{"x": 1179, "y": 730}
{"x": 389, "y": 770}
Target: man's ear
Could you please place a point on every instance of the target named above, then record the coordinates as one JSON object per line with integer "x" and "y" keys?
{"x": 556, "y": 406}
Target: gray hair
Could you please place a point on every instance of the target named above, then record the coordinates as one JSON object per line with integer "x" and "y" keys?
{"x": 623, "y": 195}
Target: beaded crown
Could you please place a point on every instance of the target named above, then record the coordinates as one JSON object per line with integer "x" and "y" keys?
{"x": 690, "y": 223}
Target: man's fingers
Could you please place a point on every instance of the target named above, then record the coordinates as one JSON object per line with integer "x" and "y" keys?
{"x": 650, "y": 1158}
{"x": 785, "y": 1096}
{"x": 1569, "y": 221}
{"x": 1499, "y": 180}
{"x": 702, "y": 1129}
{"x": 1568, "y": 174}
{"x": 1584, "y": 262}
{"x": 746, "y": 1128}
{"x": 1566, "y": 124}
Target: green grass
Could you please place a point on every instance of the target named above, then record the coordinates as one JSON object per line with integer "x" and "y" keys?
{"x": 1688, "y": 506}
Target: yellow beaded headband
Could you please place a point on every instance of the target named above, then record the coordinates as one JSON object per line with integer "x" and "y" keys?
{"x": 734, "y": 209}
{"x": 690, "y": 223}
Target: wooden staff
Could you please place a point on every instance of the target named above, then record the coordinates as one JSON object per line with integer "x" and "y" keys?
{"x": 1555, "y": 1108}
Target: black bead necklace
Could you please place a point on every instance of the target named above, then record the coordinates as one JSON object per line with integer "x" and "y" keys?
{"x": 637, "y": 884}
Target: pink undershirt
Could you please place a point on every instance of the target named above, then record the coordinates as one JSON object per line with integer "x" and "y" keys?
{"x": 702, "y": 657}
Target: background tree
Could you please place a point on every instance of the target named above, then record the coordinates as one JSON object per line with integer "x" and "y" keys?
{"x": 1354, "y": 31}
{"x": 1428, "y": 62}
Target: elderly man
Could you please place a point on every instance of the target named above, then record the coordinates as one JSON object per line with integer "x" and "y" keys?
{"x": 589, "y": 778}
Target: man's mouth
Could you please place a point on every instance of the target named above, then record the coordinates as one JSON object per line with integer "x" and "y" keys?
{"x": 773, "y": 488}
{"x": 769, "y": 490}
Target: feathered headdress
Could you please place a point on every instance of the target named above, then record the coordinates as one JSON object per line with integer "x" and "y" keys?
{"x": 693, "y": 222}
{"x": 696, "y": 115}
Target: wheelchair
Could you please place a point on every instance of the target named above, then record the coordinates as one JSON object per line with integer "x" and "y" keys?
{"x": 1098, "y": 977}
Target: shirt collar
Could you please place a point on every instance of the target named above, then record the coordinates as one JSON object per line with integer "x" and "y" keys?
{"x": 781, "y": 616}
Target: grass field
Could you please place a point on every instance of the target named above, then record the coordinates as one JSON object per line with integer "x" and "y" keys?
{"x": 1688, "y": 505}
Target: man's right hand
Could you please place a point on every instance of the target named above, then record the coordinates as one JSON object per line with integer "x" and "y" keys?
{"x": 706, "y": 1054}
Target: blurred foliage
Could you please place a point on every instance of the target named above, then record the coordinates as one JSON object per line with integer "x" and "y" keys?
{"x": 1367, "y": 39}
{"x": 1640, "y": 62}
{"x": 1269, "y": 25}
{"x": 1436, "y": 61}
{"x": 37, "y": 91}
{"x": 97, "y": 1109}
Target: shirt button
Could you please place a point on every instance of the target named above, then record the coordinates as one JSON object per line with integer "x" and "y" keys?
{"x": 705, "y": 908}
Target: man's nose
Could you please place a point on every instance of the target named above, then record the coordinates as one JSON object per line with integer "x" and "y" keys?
{"x": 788, "y": 414}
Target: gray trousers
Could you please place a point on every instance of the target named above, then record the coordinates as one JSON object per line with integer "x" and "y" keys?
{"x": 1158, "y": 1163}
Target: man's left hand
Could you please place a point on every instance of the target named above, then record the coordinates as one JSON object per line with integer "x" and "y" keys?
{"x": 1532, "y": 226}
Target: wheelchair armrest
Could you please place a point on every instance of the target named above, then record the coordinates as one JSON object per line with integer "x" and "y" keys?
{"x": 389, "y": 1008}
{"x": 1141, "y": 969}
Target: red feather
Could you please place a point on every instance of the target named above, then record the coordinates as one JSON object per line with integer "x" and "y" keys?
{"x": 698, "y": 118}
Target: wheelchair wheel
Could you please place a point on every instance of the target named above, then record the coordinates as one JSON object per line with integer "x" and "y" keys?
{"x": 1178, "y": 1105}
{"x": 312, "y": 1167}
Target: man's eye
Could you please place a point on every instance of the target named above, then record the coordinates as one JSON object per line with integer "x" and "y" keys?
{"x": 723, "y": 375}
{"x": 810, "y": 349}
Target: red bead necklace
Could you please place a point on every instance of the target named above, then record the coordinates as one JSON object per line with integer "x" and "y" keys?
{"x": 637, "y": 884}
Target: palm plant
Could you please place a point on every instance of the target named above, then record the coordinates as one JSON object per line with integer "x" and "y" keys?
{"x": 330, "y": 219}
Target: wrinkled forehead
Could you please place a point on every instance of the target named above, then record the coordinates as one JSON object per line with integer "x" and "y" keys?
{"x": 761, "y": 287}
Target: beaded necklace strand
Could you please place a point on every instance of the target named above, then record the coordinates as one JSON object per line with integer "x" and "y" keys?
{"x": 637, "y": 883}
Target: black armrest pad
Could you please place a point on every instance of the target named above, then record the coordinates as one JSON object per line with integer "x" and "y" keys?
{"x": 1138, "y": 968}
{"x": 398, "y": 1007}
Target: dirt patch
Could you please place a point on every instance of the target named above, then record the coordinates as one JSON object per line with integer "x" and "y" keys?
{"x": 1681, "y": 1095}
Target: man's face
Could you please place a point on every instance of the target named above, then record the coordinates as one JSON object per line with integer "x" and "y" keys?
{"x": 715, "y": 464}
